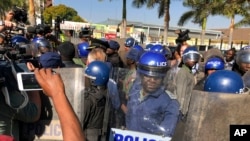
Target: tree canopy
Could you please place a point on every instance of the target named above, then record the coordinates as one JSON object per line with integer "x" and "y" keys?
{"x": 64, "y": 12}
{"x": 8, "y": 4}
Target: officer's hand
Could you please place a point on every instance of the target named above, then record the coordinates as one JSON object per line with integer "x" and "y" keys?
{"x": 50, "y": 82}
{"x": 9, "y": 24}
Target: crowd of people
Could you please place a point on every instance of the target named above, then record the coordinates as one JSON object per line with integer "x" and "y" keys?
{"x": 152, "y": 96}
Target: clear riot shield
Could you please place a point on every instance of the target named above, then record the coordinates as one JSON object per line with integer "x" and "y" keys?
{"x": 210, "y": 116}
{"x": 48, "y": 127}
{"x": 117, "y": 116}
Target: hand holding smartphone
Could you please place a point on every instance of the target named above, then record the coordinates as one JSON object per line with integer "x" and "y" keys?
{"x": 27, "y": 81}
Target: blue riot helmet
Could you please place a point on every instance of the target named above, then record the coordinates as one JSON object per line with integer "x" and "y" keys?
{"x": 16, "y": 40}
{"x": 114, "y": 45}
{"x": 215, "y": 63}
{"x": 161, "y": 49}
{"x": 138, "y": 47}
{"x": 224, "y": 81}
{"x": 98, "y": 72}
{"x": 34, "y": 40}
{"x": 82, "y": 49}
{"x": 42, "y": 45}
{"x": 152, "y": 64}
{"x": 191, "y": 54}
{"x": 148, "y": 46}
{"x": 130, "y": 42}
{"x": 42, "y": 42}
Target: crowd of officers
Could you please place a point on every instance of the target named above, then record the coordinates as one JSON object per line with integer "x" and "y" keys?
{"x": 149, "y": 92}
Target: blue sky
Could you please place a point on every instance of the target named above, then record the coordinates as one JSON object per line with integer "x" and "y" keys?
{"x": 95, "y": 11}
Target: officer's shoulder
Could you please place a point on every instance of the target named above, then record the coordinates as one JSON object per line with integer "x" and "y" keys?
{"x": 170, "y": 94}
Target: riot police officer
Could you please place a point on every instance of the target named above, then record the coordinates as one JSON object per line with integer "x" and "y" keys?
{"x": 95, "y": 99}
{"x": 82, "y": 52}
{"x": 213, "y": 64}
{"x": 150, "y": 108}
{"x": 112, "y": 54}
{"x": 181, "y": 81}
{"x": 242, "y": 64}
{"x": 130, "y": 42}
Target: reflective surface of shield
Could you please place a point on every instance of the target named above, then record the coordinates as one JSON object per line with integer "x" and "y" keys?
{"x": 210, "y": 116}
{"x": 48, "y": 127}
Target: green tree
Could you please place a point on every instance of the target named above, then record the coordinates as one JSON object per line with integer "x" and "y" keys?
{"x": 64, "y": 12}
{"x": 124, "y": 18}
{"x": 199, "y": 12}
{"x": 163, "y": 10}
{"x": 230, "y": 9}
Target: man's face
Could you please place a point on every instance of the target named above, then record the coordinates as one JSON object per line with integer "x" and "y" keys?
{"x": 244, "y": 67}
{"x": 9, "y": 15}
{"x": 151, "y": 84}
{"x": 190, "y": 63}
{"x": 229, "y": 55}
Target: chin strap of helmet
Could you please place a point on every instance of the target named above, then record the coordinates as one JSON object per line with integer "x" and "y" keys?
{"x": 6, "y": 94}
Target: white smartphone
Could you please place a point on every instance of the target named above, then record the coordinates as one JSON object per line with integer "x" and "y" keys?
{"x": 27, "y": 81}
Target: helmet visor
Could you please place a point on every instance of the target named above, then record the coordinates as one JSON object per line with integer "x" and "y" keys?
{"x": 191, "y": 57}
{"x": 243, "y": 56}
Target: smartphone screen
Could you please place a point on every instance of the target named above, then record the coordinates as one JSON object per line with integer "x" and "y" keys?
{"x": 27, "y": 82}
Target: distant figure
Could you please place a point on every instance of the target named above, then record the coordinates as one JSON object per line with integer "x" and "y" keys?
{"x": 142, "y": 37}
{"x": 229, "y": 58}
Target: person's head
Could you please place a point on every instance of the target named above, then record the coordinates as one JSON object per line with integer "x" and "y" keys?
{"x": 138, "y": 47}
{"x": 16, "y": 40}
{"x": 190, "y": 56}
{"x": 9, "y": 15}
{"x": 85, "y": 34}
{"x": 133, "y": 56}
{"x": 160, "y": 49}
{"x": 243, "y": 59}
{"x": 82, "y": 50}
{"x": 148, "y": 47}
{"x": 98, "y": 43}
{"x": 213, "y": 64}
{"x": 50, "y": 60}
{"x": 96, "y": 54}
{"x": 66, "y": 50}
{"x": 152, "y": 68}
{"x": 129, "y": 42}
{"x": 98, "y": 73}
{"x": 42, "y": 45}
{"x": 224, "y": 81}
{"x": 229, "y": 55}
{"x": 113, "y": 47}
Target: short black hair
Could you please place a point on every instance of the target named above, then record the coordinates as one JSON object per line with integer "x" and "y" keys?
{"x": 67, "y": 49}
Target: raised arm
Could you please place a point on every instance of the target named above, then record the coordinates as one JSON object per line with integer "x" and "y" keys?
{"x": 53, "y": 87}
